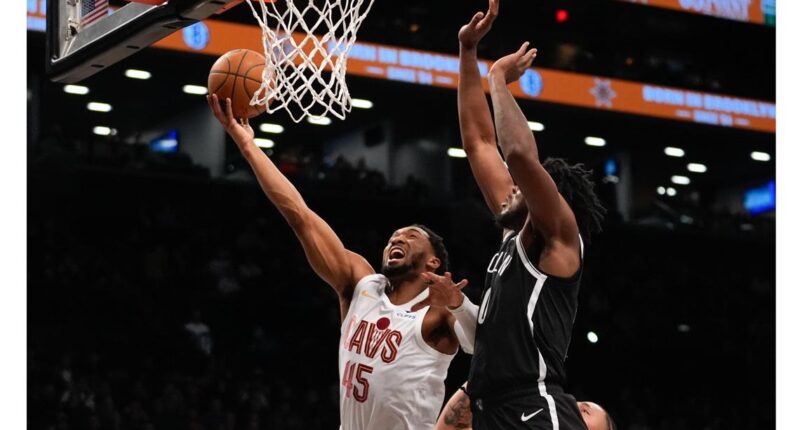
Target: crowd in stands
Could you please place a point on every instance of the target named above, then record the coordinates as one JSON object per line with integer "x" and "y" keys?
{"x": 181, "y": 302}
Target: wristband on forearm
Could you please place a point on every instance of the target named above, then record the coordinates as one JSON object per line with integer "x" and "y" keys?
{"x": 466, "y": 317}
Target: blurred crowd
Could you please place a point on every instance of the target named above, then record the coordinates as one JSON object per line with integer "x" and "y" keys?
{"x": 181, "y": 302}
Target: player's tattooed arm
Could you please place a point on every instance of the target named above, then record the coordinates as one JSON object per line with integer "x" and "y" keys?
{"x": 459, "y": 416}
{"x": 548, "y": 210}
{"x": 456, "y": 414}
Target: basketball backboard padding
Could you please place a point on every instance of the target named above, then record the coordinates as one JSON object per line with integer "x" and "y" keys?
{"x": 115, "y": 37}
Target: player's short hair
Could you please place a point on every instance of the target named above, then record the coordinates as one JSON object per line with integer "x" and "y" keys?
{"x": 438, "y": 248}
{"x": 575, "y": 184}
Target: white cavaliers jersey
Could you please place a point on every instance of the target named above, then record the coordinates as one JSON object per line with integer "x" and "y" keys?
{"x": 390, "y": 379}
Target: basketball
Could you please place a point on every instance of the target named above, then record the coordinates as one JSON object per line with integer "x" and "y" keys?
{"x": 237, "y": 75}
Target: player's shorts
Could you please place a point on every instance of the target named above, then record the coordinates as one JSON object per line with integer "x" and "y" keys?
{"x": 526, "y": 410}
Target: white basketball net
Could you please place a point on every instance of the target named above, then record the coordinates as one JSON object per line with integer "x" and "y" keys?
{"x": 305, "y": 74}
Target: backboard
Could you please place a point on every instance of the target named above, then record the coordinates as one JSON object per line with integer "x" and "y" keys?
{"x": 86, "y": 36}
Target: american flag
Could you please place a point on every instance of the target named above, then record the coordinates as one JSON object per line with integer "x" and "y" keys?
{"x": 93, "y": 10}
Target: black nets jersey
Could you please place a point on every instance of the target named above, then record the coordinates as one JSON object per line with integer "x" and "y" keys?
{"x": 524, "y": 325}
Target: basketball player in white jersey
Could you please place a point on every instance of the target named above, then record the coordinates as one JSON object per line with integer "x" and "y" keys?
{"x": 392, "y": 361}
{"x": 546, "y": 209}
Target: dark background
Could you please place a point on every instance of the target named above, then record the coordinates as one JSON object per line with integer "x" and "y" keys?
{"x": 127, "y": 246}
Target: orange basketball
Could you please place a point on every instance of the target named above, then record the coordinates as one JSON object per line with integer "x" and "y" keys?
{"x": 237, "y": 75}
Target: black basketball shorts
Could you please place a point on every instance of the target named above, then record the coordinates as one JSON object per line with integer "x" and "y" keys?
{"x": 526, "y": 411}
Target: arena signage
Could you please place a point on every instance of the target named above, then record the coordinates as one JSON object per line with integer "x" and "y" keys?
{"x": 394, "y": 63}
{"x": 754, "y": 11}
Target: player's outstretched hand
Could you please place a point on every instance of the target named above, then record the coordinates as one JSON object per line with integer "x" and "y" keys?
{"x": 240, "y": 129}
{"x": 512, "y": 66}
{"x": 442, "y": 291}
{"x": 479, "y": 26}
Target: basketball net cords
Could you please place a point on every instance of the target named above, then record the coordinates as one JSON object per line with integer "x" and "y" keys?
{"x": 292, "y": 75}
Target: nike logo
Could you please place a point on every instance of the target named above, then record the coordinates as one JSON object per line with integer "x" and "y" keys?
{"x": 366, "y": 294}
{"x": 527, "y": 417}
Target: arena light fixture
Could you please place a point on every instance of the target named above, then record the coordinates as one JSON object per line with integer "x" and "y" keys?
{"x": 684, "y": 328}
{"x": 195, "y": 90}
{"x": 264, "y": 143}
{"x": 362, "y": 104}
{"x": 562, "y": 16}
{"x": 674, "y": 152}
{"x": 76, "y": 89}
{"x": 681, "y": 180}
{"x": 535, "y": 126}
{"x": 99, "y": 107}
{"x": 592, "y": 337}
{"x": 760, "y": 156}
{"x": 661, "y": 191}
{"x": 319, "y": 120}
{"x": 138, "y": 74}
{"x": 271, "y": 128}
{"x": 671, "y": 192}
{"x": 595, "y": 141}
{"x": 456, "y": 153}
{"x": 697, "y": 168}
{"x": 102, "y": 130}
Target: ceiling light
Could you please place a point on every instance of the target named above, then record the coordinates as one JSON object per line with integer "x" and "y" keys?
{"x": 104, "y": 131}
{"x": 137, "y": 74}
{"x": 99, "y": 107}
{"x": 671, "y": 192}
{"x": 195, "y": 90}
{"x": 319, "y": 120}
{"x": 264, "y": 143}
{"x": 674, "y": 152}
{"x": 271, "y": 128}
{"x": 697, "y": 168}
{"x": 76, "y": 89}
{"x": 681, "y": 180}
{"x": 362, "y": 104}
{"x": 456, "y": 153}
{"x": 661, "y": 191}
{"x": 592, "y": 336}
{"x": 760, "y": 156}
{"x": 535, "y": 126}
{"x": 595, "y": 141}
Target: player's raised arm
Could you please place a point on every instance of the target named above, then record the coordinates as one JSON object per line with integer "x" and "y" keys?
{"x": 336, "y": 265}
{"x": 550, "y": 213}
{"x": 474, "y": 116}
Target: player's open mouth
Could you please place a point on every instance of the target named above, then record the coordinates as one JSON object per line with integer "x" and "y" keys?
{"x": 396, "y": 254}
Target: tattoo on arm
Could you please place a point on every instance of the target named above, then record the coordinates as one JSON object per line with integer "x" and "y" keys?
{"x": 459, "y": 415}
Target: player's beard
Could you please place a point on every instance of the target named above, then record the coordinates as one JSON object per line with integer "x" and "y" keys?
{"x": 512, "y": 219}
{"x": 402, "y": 271}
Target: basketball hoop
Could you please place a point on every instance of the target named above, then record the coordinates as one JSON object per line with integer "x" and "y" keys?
{"x": 306, "y": 55}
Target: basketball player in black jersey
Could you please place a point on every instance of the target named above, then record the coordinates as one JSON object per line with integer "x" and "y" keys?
{"x": 529, "y": 302}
